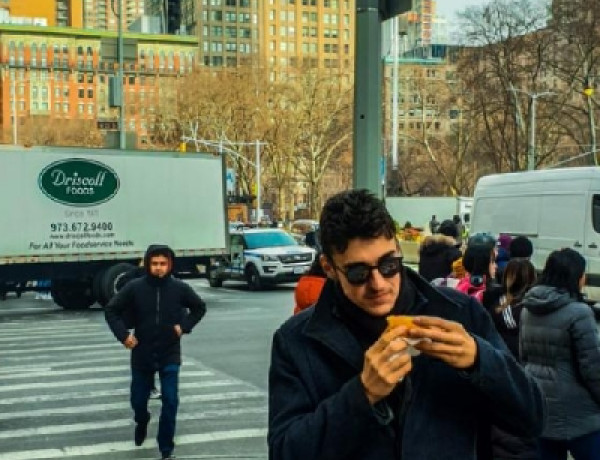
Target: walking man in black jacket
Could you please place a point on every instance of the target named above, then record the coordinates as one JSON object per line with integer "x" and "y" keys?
{"x": 161, "y": 309}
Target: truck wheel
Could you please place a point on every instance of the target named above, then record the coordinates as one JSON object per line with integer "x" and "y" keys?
{"x": 253, "y": 278}
{"x": 97, "y": 288}
{"x": 112, "y": 277}
{"x": 72, "y": 294}
{"x": 213, "y": 278}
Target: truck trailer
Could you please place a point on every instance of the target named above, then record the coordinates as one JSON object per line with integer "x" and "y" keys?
{"x": 83, "y": 218}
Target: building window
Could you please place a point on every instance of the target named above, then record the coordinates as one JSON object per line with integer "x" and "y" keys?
{"x": 33, "y": 50}
{"x": 81, "y": 93}
{"x": 90, "y": 93}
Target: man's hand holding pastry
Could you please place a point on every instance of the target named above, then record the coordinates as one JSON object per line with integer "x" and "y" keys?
{"x": 449, "y": 341}
{"x": 386, "y": 363}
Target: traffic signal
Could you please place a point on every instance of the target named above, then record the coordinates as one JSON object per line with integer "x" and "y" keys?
{"x": 391, "y": 8}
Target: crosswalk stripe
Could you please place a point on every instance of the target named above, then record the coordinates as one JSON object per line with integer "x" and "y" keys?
{"x": 116, "y": 356}
{"x": 124, "y": 423}
{"x": 95, "y": 408}
{"x": 123, "y": 391}
{"x": 32, "y": 337}
{"x": 73, "y": 348}
{"x": 56, "y": 373}
{"x": 55, "y": 358}
{"x": 126, "y": 446}
{"x": 66, "y": 324}
{"x": 82, "y": 382}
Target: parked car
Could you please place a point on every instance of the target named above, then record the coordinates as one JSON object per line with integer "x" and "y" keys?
{"x": 262, "y": 257}
{"x": 301, "y": 227}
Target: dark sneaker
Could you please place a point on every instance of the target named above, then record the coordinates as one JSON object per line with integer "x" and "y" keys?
{"x": 166, "y": 456}
{"x": 141, "y": 429}
{"x": 155, "y": 394}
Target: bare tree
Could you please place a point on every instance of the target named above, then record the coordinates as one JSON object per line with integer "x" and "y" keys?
{"x": 507, "y": 55}
{"x": 321, "y": 112}
{"x": 60, "y": 132}
{"x": 576, "y": 63}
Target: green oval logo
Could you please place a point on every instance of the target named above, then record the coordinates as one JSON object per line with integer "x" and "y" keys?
{"x": 78, "y": 182}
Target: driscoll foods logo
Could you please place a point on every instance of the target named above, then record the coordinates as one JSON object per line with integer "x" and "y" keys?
{"x": 78, "y": 182}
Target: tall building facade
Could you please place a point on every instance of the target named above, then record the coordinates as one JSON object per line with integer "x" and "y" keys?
{"x": 417, "y": 25}
{"x": 228, "y": 32}
{"x": 99, "y": 14}
{"x": 63, "y": 73}
{"x": 279, "y": 35}
{"x": 170, "y": 13}
{"x": 307, "y": 34}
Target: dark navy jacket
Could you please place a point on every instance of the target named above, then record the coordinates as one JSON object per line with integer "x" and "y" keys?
{"x": 318, "y": 408}
{"x": 153, "y": 307}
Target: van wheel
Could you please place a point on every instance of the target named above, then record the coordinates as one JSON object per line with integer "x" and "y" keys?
{"x": 253, "y": 278}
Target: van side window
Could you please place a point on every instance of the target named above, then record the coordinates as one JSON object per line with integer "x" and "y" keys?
{"x": 596, "y": 213}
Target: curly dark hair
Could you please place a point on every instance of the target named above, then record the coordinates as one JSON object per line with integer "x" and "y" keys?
{"x": 353, "y": 214}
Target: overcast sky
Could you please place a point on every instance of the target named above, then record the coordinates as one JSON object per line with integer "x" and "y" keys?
{"x": 449, "y": 7}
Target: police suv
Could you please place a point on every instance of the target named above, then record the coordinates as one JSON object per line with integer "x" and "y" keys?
{"x": 262, "y": 257}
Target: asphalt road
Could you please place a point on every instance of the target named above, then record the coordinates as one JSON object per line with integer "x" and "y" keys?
{"x": 64, "y": 380}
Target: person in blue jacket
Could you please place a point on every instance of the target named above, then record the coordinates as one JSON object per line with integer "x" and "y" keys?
{"x": 344, "y": 386}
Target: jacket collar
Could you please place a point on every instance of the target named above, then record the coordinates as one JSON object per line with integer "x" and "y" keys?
{"x": 326, "y": 327}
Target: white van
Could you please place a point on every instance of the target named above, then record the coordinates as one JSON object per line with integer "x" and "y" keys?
{"x": 554, "y": 208}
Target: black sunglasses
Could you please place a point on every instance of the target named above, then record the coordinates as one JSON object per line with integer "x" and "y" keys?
{"x": 359, "y": 273}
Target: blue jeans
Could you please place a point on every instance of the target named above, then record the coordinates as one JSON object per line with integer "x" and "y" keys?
{"x": 142, "y": 383}
{"x": 583, "y": 448}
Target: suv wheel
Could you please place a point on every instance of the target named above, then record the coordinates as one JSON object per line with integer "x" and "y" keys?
{"x": 213, "y": 278}
{"x": 253, "y": 278}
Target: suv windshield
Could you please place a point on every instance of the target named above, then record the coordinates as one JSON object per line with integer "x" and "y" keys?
{"x": 269, "y": 240}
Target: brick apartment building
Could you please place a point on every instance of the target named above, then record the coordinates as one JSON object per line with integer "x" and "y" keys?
{"x": 61, "y": 73}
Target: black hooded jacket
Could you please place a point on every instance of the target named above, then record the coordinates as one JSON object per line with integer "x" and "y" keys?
{"x": 155, "y": 306}
{"x": 436, "y": 255}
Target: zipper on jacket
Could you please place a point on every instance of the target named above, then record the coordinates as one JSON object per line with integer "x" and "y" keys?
{"x": 157, "y": 305}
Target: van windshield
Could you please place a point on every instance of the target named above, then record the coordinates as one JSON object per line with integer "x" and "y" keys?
{"x": 269, "y": 240}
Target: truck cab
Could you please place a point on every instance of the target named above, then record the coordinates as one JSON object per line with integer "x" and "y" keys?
{"x": 262, "y": 257}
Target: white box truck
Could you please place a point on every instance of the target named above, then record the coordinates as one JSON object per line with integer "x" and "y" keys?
{"x": 82, "y": 218}
{"x": 554, "y": 208}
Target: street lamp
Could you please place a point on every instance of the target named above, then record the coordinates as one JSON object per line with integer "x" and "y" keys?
{"x": 222, "y": 149}
{"x": 588, "y": 91}
{"x": 534, "y": 97}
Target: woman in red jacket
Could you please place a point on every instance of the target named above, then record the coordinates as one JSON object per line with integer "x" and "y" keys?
{"x": 309, "y": 287}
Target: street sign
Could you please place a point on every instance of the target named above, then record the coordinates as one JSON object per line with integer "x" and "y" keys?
{"x": 230, "y": 180}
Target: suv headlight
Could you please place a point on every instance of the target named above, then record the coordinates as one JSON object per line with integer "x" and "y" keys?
{"x": 268, "y": 258}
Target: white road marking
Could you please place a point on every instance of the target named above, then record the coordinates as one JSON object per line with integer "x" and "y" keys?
{"x": 83, "y": 382}
{"x": 124, "y": 391}
{"x": 95, "y": 408}
{"x": 126, "y": 446}
{"x": 123, "y": 423}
